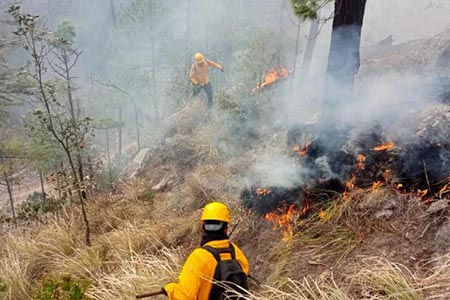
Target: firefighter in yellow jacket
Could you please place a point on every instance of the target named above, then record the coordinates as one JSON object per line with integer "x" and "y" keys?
{"x": 196, "y": 277}
{"x": 199, "y": 76}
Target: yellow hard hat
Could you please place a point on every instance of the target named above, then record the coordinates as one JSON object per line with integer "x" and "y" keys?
{"x": 216, "y": 211}
{"x": 199, "y": 57}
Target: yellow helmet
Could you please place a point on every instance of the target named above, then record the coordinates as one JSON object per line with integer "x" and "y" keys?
{"x": 216, "y": 211}
{"x": 199, "y": 57}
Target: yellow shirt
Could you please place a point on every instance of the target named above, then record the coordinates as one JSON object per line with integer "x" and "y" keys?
{"x": 199, "y": 72}
{"x": 195, "y": 280}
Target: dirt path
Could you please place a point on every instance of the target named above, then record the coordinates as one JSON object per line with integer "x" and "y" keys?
{"x": 29, "y": 184}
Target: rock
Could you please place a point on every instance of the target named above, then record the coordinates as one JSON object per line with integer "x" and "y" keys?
{"x": 437, "y": 206}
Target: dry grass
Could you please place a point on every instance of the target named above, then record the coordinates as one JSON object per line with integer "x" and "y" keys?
{"x": 134, "y": 253}
{"x": 381, "y": 279}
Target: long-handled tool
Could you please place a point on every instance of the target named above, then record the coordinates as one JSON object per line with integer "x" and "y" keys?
{"x": 151, "y": 294}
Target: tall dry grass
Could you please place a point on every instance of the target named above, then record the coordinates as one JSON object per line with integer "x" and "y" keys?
{"x": 137, "y": 254}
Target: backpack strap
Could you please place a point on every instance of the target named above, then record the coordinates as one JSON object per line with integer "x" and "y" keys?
{"x": 217, "y": 251}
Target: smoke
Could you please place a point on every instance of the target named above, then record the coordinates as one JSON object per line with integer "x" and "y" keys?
{"x": 276, "y": 171}
{"x": 144, "y": 48}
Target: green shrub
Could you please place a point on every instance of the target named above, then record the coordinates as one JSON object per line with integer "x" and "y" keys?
{"x": 146, "y": 196}
{"x": 65, "y": 288}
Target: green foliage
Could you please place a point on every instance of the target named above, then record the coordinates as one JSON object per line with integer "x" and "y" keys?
{"x": 3, "y": 287}
{"x": 307, "y": 9}
{"x": 65, "y": 288}
{"x": 33, "y": 208}
{"x": 64, "y": 37}
{"x": 263, "y": 50}
{"x": 146, "y": 196}
{"x": 140, "y": 11}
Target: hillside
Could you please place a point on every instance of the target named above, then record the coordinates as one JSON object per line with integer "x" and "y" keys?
{"x": 335, "y": 194}
{"x": 375, "y": 242}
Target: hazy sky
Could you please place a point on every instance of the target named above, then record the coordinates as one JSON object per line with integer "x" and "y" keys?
{"x": 405, "y": 19}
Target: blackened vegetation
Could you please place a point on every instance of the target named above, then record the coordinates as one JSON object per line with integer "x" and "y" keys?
{"x": 424, "y": 165}
{"x": 272, "y": 198}
{"x": 330, "y": 163}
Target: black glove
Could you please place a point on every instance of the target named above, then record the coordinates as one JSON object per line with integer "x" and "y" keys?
{"x": 163, "y": 291}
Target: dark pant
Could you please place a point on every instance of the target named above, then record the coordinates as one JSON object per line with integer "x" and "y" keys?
{"x": 208, "y": 90}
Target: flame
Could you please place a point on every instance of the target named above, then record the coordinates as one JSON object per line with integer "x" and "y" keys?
{"x": 263, "y": 192}
{"x": 445, "y": 189}
{"x": 323, "y": 215}
{"x": 285, "y": 220}
{"x": 273, "y": 75}
{"x": 361, "y": 159}
{"x": 301, "y": 152}
{"x": 422, "y": 193}
{"x": 351, "y": 183}
{"x": 376, "y": 185}
{"x": 384, "y": 147}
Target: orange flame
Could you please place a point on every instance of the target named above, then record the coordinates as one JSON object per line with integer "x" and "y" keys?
{"x": 285, "y": 220}
{"x": 351, "y": 183}
{"x": 263, "y": 192}
{"x": 384, "y": 147}
{"x": 376, "y": 185}
{"x": 422, "y": 193}
{"x": 273, "y": 75}
{"x": 445, "y": 189}
{"x": 323, "y": 215}
{"x": 361, "y": 159}
{"x": 301, "y": 152}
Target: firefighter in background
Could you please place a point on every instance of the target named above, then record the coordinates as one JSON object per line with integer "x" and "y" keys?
{"x": 199, "y": 270}
{"x": 199, "y": 76}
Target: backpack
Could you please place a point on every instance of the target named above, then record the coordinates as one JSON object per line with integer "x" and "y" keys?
{"x": 228, "y": 276}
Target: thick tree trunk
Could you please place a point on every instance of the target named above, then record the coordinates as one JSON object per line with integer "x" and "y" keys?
{"x": 343, "y": 59}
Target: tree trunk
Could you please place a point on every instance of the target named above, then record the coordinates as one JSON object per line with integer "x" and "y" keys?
{"x": 309, "y": 51}
{"x": 187, "y": 37}
{"x": 113, "y": 13}
{"x": 297, "y": 40}
{"x": 136, "y": 117}
{"x": 11, "y": 199}
{"x": 81, "y": 196}
{"x": 108, "y": 153}
{"x": 343, "y": 59}
{"x": 41, "y": 178}
{"x": 152, "y": 45}
{"x": 119, "y": 146}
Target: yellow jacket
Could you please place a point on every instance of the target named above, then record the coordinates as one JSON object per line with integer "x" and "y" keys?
{"x": 199, "y": 73}
{"x": 195, "y": 280}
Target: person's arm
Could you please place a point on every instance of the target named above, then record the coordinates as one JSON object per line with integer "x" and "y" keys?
{"x": 192, "y": 75}
{"x": 214, "y": 64}
{"x": 188, "y": 284}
